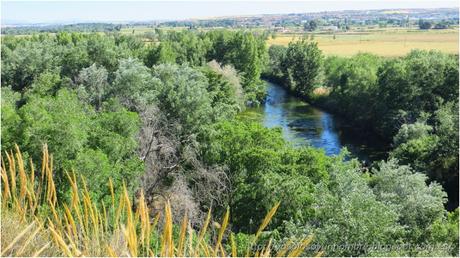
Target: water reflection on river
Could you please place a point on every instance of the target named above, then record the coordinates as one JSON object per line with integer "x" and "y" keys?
{"x": 303, "y": 124}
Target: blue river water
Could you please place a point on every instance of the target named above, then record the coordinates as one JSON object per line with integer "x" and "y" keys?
{"x": 303, "y": 124}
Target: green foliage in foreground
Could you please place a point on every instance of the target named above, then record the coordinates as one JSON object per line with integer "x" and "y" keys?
{"x": 100, "y": 144}
{"x": 263, "y": 168}
{"x": 340, "y": 205}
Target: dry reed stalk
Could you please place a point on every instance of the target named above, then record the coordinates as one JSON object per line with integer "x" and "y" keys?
{"x": 104, "y": 220}
{"x": 71, "y": 221}
{"x": 222, "y": 251}
{"x": 203, "y": 232}
{"x": 264, "y": 224}
{"x": 266, "y": 251}
{"x": 111, "y": 252}
{"x": 6, "y": 194}
{"x": 120, "y": 209}
{"x": 112, "y": 194}
{"x": 131, "y": 228}
{"x": 22, "y": 175}
{"x": 205, "y": 249}
{"x": 60, "y": 241}
{"x": 20, "y": 210}
{"x": 41, "y": 250}
{"x": 232, "y": 241}
{"x": 143, "y": 214}
{"x": 12, "y": 168}
{"x": 167, "y": 244}
{"x": 222, "y": 230}
{"x": 73, "y": 185}
{"x": 282, "y": 252}
{"x": 17, "y": 238}
{"x": 297, "y": 251}
{"x": 73, "y": 245}
{"x": 190, "y": 240}
{"x": 183, "y": 231}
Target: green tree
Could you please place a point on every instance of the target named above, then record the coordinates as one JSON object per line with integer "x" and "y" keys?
{"x": 311, "y": 25}
{"x": 358, "y": 81}
{"x": 301, "y": 66}
{"x": 222, "y": 93}
{"x": 47, "y": 83}
{"x": 21, "y": 66}
{"x": 93, "y": 85}
{"x": 164, "y": 53}
{"x": 247, "y": 56}
{"x": 274, "y": 68}
{"x": 112, "y": 149}
{"x": 348, "y": 213}
{"x": 445, "y": 231}
{"x": 432, "y": 150}
{"x": 244, "y": 51}
{"x": 134, "y": 85}
{"x": 445, "y": 166}
{"x": 74, "y": 58}
{"x": 333, "y": 70}
{"x": 62, "y": 122}
{"x": 103, "y": 51}
{"x": 11, "y": 129}
{"x": 417, "y": 204}
{"x": 183, "y": 96}
{"x": 264, "y": 169}
{"x": 424, "y": 24}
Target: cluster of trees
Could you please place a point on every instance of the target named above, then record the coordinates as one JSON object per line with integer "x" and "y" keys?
{"x": 246, "y": 52}
{"x": 225, "y": 22}
{"x": 163, "y": 118}
{"x": 392, "y": 206}
{"x": 311, "y": 25}
{"x": 78, "y": 27}
{"x": 103, "y": 105}
{"x": 415, "y": 99}
{"x": 410, "y": 101}
{"x": 297, "y": 67}
{"x": 428, "y": 24}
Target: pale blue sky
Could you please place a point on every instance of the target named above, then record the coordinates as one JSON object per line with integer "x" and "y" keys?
{"x": 97, "y": 11}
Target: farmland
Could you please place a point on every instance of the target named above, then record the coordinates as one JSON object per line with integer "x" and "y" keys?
{"x": 390, "y": 42}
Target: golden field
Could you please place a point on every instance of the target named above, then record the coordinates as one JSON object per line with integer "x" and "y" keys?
{"x": 391, "y": 42}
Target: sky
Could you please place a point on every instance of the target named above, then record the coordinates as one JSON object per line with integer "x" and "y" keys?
{"x": 14, "y": 11}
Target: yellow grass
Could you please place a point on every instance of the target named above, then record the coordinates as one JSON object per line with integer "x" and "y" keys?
{"x": 39, "y": 223}
{"x": 388, "y": 43}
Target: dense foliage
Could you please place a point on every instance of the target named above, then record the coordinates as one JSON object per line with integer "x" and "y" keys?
{"x": 162, "y": 117}
{"x": 297, "y": 66}
{"x": 414, "y": 98}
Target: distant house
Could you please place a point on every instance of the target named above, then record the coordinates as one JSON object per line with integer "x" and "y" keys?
{"x": 281, "y": 30}
{"x": 328, "y": 28}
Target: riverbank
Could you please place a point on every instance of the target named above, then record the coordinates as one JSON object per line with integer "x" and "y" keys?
{"x": 304, "y": 124}
{"x": 322, "y": 102}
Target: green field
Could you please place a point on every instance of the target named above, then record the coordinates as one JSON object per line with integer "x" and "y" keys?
{"x": 391, "y": 42}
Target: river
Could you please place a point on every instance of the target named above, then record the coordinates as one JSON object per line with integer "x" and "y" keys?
{"x": 303, "y": 125}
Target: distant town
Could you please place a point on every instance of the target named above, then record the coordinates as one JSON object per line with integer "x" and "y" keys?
{"x": 440, "y": 18}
